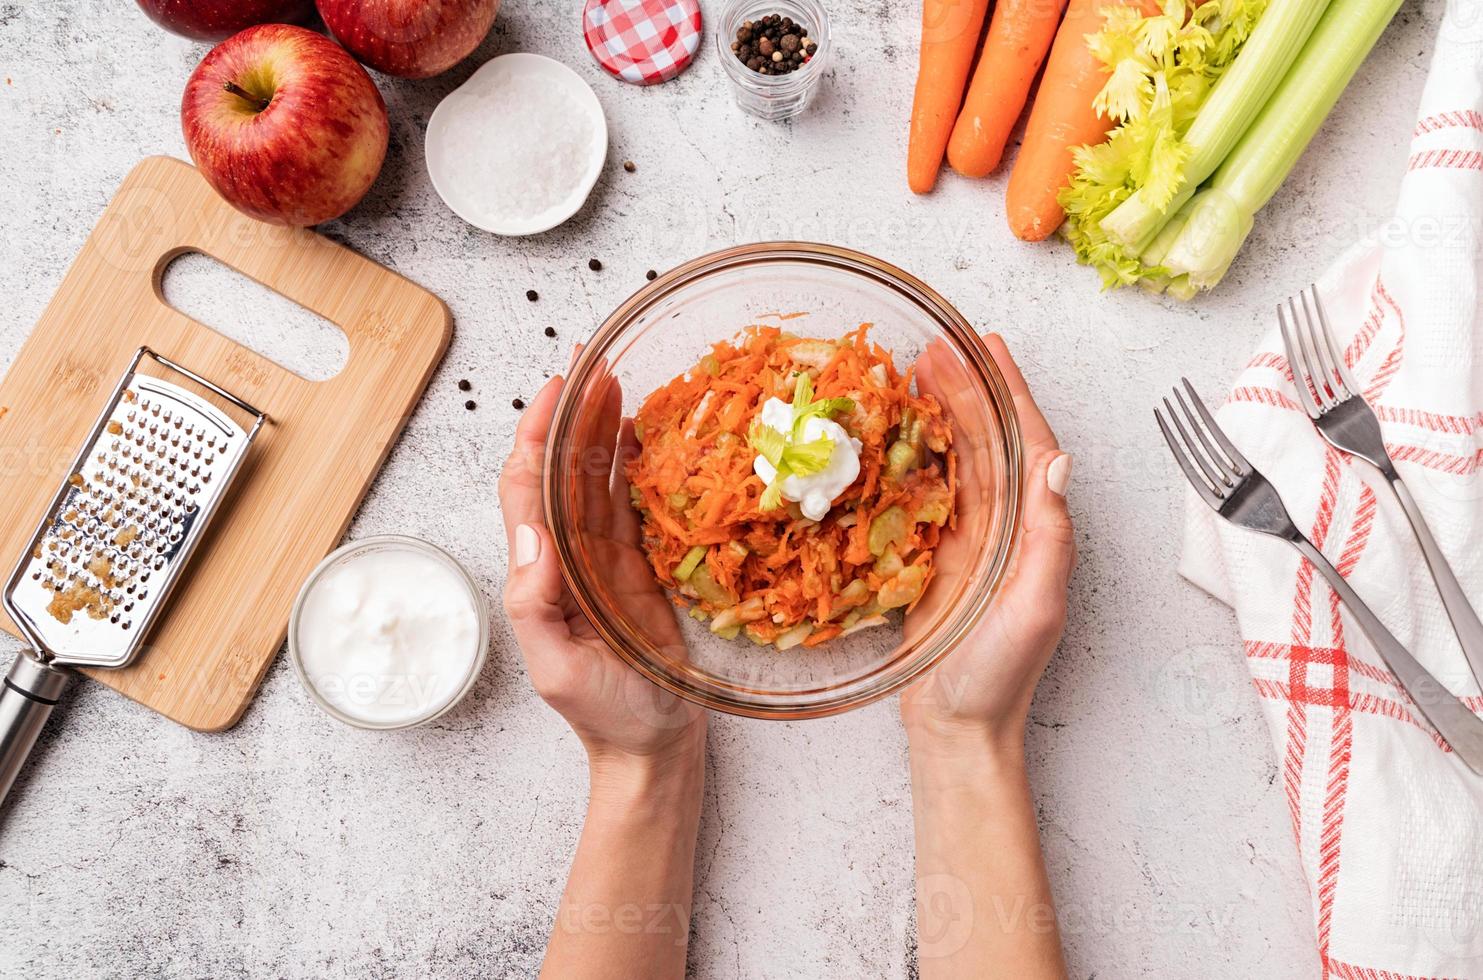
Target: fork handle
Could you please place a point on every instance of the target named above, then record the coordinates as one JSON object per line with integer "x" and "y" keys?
{"x": 1462, "y": 729}
{"x": 1464, "y": 618}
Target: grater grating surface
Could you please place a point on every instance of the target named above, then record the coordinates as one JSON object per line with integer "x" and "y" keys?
{"x": 117, "y": 534}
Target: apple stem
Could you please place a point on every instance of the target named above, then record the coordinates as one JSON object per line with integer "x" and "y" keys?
{"x": 246, "y": 96}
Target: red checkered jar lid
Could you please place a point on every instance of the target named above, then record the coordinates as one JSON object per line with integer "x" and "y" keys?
{"x": 642, "y": 41}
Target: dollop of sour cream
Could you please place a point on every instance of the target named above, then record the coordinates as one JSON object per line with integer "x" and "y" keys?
{"x": 388, "y": 636}
{"x": 815, "y": 493}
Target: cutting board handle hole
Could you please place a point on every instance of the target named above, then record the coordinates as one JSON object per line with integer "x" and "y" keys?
{"x": 216, "y": 295}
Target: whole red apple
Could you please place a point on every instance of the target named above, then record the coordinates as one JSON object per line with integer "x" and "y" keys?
{"x": 410, "y": 38}
{"x": 213, "y": 20}
{"x": 285, "y": 125}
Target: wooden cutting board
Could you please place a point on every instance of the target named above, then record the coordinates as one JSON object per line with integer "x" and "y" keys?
{"x": 304, "y": 476}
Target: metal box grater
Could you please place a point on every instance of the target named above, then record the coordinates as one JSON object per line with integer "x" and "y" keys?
{"x": 114, "y": 539}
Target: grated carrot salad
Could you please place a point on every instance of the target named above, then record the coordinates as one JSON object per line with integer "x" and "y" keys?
{"x": 782, "y": 578}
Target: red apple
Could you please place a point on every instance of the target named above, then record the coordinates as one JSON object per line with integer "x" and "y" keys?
{"x": 410, "y": 38}
{"x": 285, "y": 125}
{"x": 213, "y": 20}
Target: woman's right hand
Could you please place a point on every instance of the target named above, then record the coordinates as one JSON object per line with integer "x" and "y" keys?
{"x": 983, "y": 689}
{"x": 978, "y": 847}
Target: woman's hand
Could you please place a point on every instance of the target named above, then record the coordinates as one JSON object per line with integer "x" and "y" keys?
{"x": 620, "y": 716}
{"x": 984, "y": 904}
{"x": 645, "y": 747}
{"x": 984, "y": 688}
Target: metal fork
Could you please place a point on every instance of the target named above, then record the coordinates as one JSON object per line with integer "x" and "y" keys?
{"x": 1345, "y": 419}
{"x": 1237, "y": 492}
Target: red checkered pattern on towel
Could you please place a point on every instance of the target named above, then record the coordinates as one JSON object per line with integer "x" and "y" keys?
{"x": 1389, "y": 824}
{"x": 642, "y": 41}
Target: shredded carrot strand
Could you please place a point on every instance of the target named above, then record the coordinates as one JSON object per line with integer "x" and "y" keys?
{"x": 694, "y": 483}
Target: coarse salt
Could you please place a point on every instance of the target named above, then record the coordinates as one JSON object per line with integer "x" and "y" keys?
{"x": 516, "y": 148}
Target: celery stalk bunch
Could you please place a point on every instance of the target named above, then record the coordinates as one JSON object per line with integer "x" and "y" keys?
{"x": 1222, "y": 214}
{"x": 1190, "y": 89}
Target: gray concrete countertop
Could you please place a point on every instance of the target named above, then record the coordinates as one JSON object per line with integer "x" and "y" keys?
{"x": 293, "y": 846}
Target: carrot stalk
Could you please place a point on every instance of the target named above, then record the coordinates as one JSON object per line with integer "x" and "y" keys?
{"x": 1019, "y": 35}
{"x": 1061, "y": 120}
{"x": 950, "y": 33}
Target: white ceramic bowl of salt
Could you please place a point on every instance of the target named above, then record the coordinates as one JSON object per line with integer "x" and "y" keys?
{"x": 516, "y": 149}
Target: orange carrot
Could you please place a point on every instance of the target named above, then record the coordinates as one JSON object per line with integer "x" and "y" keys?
{"x": 950, "y": 33}
{"x": 1061, "y": 120}
{"x": 1019, "y": 36}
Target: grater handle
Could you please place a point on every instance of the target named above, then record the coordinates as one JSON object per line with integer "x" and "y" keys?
{"x": 29, "y": 693}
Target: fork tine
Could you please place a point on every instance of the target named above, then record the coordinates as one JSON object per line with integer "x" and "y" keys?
{"x": 1297, "y": 361}
{"x": 1317, "y": 376}
{"x": 1228, "y": 474}
{"x": 1242, "y": 467}
{"x": 1193, "y": 475}
{"x": 1218, "y": 475}
{"x": 1333, "y": 345}
{"x": 1323, "y": 349}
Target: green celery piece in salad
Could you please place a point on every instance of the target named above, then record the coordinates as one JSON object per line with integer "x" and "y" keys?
{"x": 1175, "y": 122}
{"x": 690, "y": 562}
{"x": 785, "y": 450}
{"x": 1222, "y": 214}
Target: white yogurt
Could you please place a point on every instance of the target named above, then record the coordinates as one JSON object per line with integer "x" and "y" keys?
{"x": 814, "y": 493}
{"x": 388, "y": 635}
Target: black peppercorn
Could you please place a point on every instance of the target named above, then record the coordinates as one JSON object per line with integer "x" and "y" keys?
{"x": 773, "y": 45}
{"x": 594, "y": 265}
{"x": 515, "y": 403}
{"x": 629, "y": 166}
{"x": 464, "y": 385}
{"x": 550, "y": 331}
{"x": 532, "y": 295}
{"x": 470, "y": 405}
{"x": 651, "y": 275}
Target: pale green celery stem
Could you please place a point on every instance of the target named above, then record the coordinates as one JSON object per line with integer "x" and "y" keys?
{"x": 1154, "y": 254}
{"x": 1212, "y": 236}
{"x": 1155, "y": 232}
{"x": 1232, "y": 105}
{"x": 1224, "y": 212}
{"x": 1182, "y": 289}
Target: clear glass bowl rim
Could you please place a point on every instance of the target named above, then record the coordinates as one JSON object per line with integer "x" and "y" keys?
{"x": 481, "y": 610}
{"x": 934, "y": 646}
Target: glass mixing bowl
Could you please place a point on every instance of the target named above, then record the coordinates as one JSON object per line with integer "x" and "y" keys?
{"x": 662, "y": 331}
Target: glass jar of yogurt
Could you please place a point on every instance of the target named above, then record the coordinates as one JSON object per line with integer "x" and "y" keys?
{"x": 388, "y": 632}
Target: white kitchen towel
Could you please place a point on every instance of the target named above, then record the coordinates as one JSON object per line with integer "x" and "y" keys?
{"x": 1389, "y": 823}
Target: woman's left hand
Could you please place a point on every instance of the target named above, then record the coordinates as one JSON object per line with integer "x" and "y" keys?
{"x": 617, "y": 712}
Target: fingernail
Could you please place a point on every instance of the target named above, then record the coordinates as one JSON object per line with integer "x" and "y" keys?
{"x": 1058, "y": 474}
{"x": 576, "y": 353}
{"x": 527, "y": 545}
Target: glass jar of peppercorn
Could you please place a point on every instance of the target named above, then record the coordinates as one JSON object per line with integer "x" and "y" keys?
{"x": 774, "y": 52}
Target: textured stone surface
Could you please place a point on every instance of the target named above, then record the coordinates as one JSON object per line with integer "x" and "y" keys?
{"x": 293, "y": 846}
